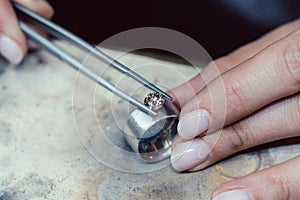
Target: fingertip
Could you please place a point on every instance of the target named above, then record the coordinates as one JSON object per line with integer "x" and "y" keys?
{"x": 46, "y": 9}
{"x": 13, "y": 45}
{"x": 238, "y": 194}
{"x": 42, "y": 7}
{"x": 193, "y": 124}
{"x": 11, "y": 50}
{"x": 189, "y": 154}
{"x": 278, "y": 182}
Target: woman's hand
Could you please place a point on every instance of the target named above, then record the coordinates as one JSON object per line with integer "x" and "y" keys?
{"x": 247, "y": 98}
{"x": 13, "y": 43}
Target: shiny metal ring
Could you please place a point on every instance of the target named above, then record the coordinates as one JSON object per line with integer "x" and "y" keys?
{"x": 150, "y": 136}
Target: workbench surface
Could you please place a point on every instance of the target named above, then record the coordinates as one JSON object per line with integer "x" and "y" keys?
{"x": 57, "y": 128}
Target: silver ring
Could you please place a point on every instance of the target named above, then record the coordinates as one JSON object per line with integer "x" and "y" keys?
{"x": 150, "y": 136}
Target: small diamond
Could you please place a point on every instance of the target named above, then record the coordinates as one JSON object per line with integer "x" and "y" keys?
{"x": 154, "y": 100}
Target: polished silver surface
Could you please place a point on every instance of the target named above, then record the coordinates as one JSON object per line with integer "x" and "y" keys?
{"x": 152, "y": 136}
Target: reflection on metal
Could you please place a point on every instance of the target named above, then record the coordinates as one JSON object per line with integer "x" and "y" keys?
{"x": 150, "y": 136}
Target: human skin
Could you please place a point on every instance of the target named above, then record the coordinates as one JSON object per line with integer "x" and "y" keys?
{"x": 13, "y": 43}
{"x": 259, "y": 103}
{"x": 261, "y": 83}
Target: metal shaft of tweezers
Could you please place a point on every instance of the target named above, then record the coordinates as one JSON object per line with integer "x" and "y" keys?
{"x": 50, "y": 47}
{"x": 62, "y": 33}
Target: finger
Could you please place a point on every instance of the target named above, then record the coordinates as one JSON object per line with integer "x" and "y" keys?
{"x": 12, "y": 40}
{"x": 186, "y": 91}
{"x": 13, "y": 44}
{"x": 277, "y": 121}
{"x": 276, "y": 183}
{"x": 272, "y": 74}
{"x": 42, "y": 7}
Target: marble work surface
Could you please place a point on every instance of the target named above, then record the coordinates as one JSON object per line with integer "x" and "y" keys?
{"x": 60, "y": 137}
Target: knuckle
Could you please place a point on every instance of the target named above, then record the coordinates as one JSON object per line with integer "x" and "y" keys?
{"x": 292, "y": 112}
{"x": 238, "y": 137}
{"x": 282, "y": 188}
{"x": 291, "y": 58}
{"x": 236, "y": 98}
{"x": 286, "y": 181}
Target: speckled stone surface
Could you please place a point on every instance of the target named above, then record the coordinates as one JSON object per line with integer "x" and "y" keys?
{"x": 56, "y": 128}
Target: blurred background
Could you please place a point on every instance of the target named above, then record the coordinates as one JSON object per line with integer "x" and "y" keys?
{"x": 219, "y": 26}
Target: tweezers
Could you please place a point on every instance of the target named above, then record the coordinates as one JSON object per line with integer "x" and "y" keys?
{"x": 61, "y": 33}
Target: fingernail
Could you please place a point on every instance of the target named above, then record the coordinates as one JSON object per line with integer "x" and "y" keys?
{"x": 189, "y": 154}
{"x": 193, "y": 124}
{"x": 234, "y": 195}
{"x": 10, "y": 50}
{"x": 46, "y": 5}
{"x": 41, "y": 2}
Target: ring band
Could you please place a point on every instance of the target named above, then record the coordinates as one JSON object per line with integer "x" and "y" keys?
{"x": 150, "y": 136}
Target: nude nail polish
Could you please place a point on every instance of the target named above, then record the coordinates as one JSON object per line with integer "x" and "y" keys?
{"x": 193, "y": 124}
{"x": 189, "y": 154}
{"x": 10, "y": 50}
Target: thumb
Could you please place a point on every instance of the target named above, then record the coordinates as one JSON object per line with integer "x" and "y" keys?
{"x": 276, "y": 183}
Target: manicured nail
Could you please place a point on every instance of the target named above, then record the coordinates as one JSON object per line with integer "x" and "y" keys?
{"x": 193, "y": 124}
{"x": 189, "y": 154}
{"x": 10, "y": 50}
{"x": 234, "y": 195}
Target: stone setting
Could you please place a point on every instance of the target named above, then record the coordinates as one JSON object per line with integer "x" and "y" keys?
{"x": 154, "y": 100}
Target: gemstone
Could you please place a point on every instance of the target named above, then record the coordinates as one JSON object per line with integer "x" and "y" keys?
{"x": 154, "y": 100}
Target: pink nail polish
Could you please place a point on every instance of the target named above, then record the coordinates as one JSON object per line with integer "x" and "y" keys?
{"x": 189, "y": 154}
{"x": 193, "y": 124}
{"x": 10, "y": 50}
